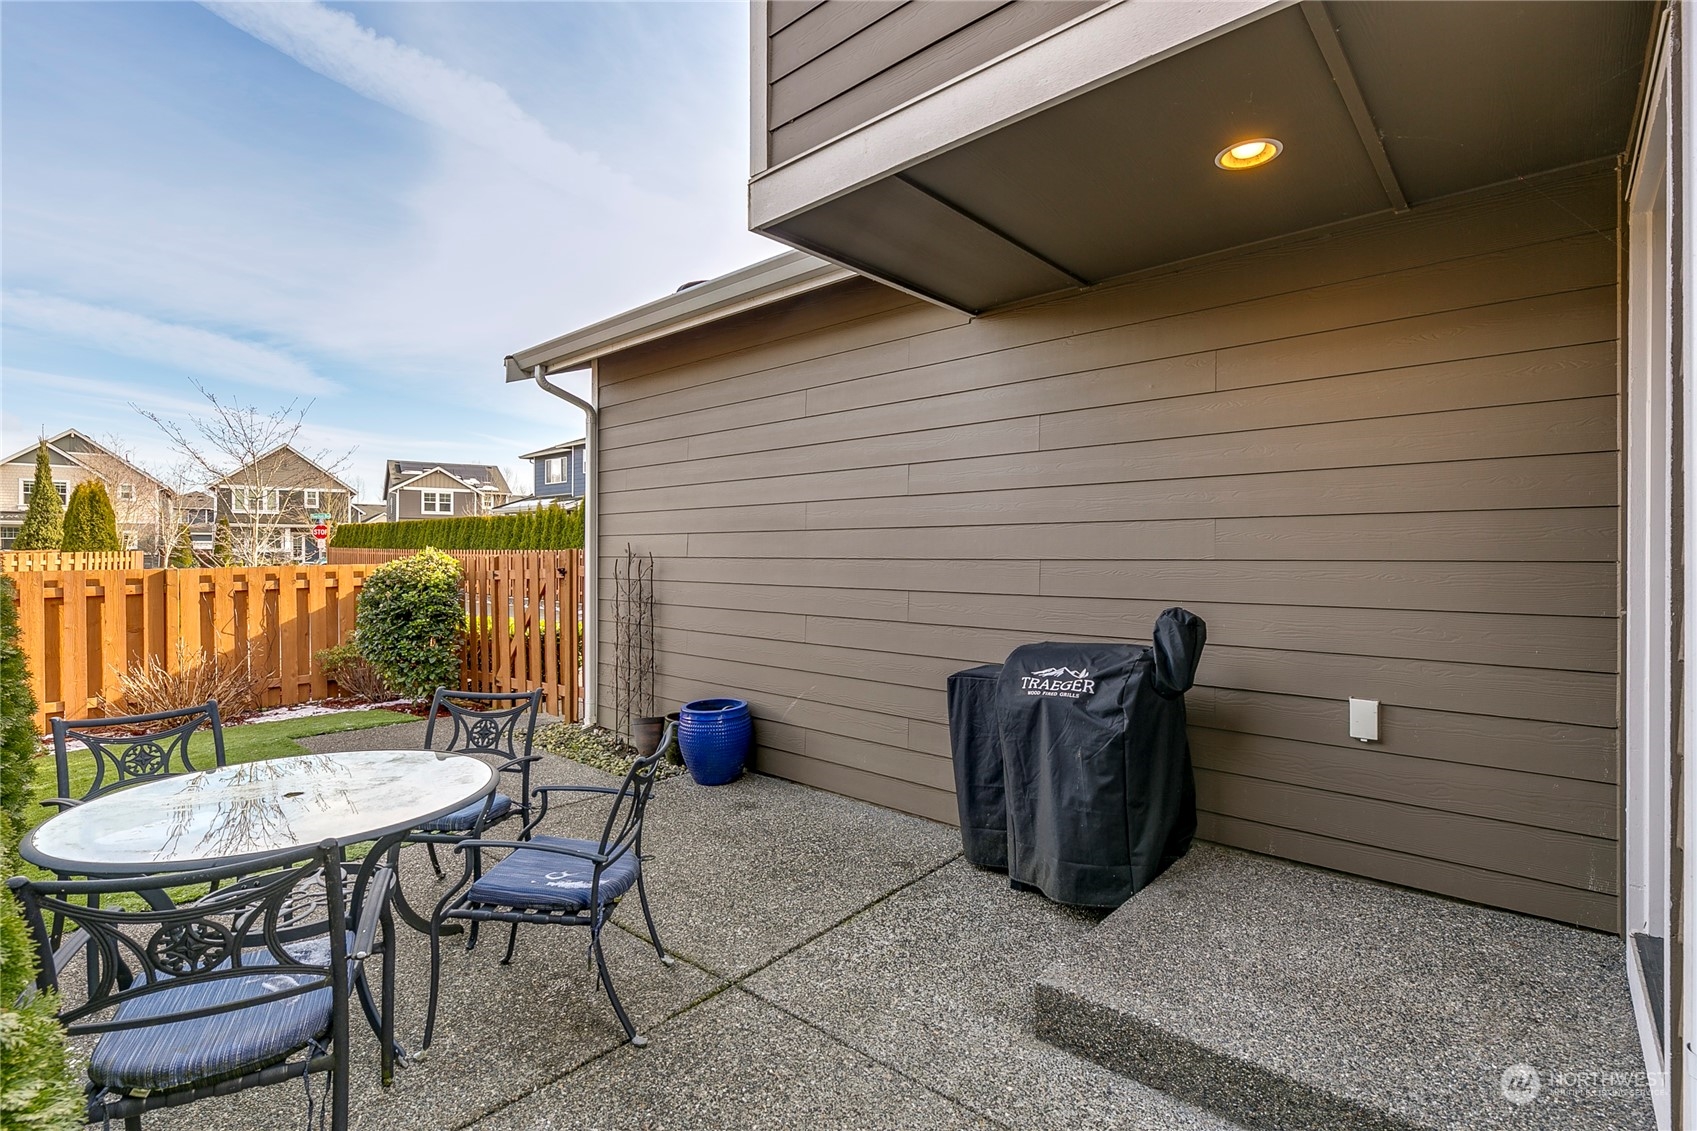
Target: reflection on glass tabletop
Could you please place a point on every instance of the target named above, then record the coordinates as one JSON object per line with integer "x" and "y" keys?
{"x": 194, "y": 820}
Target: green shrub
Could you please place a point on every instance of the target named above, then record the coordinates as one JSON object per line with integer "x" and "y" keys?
{"x": 411, "y": 616}
{"x": 552, "y": 527}
{"x": 44, "y": 523}
{"x": 223, "y": 544}
{"x": 182, "y": 551}
{"x": 90, "y": 525}
{"x": 38, "y": 1087}
{"x": 353, "y": 674}
{"x": 18, "y": 745}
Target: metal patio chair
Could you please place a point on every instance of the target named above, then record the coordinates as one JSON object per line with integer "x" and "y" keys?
{"x": 556, "y": 881}
{"x": 245, "y": 987}
{"x": 159, "y": 750}
{"x": 125, "y": 759}
{"x": 490, "y": 731}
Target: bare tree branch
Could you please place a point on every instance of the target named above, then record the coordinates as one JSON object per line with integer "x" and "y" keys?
{"x": 242, "y": 455}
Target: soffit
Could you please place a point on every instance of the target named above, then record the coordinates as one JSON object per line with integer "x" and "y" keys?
{"x": 1121, "y": 178}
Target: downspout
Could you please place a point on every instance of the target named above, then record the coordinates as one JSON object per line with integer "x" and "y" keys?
{"x": 591, "y": 545}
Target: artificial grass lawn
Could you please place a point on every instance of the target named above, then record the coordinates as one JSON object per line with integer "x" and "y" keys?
{"x": 253, "y": 742}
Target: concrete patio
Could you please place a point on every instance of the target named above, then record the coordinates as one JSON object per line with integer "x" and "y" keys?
{"x": 839, "y": 965}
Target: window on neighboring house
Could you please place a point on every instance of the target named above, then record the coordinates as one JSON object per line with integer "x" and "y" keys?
{"x": 554, "y": 471}
{"x": 436, "y": 502}
{"x": 126, "y": 492}
{"x": 254, "y": 500}
{"x": 312, "y": 498}
{"x": 27, "y": 487}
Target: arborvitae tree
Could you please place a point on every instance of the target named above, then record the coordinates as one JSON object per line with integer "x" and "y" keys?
{"x": 38, "y": 1088}
{"x": 91, "y": 525}
{"x": 71, "y": 527}
{"x": 44, "y": 523}
{"x": 103, "y": 519}
{"x": 223, "y": 544}
{"x": 182, "y": 553}
{"x": 553, "y": 527}
{"x": 18, "y": 745}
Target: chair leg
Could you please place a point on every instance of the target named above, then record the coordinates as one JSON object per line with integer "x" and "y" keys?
{"x": 387, "y": 1036}
{"x": 132, "y": 1123}
{"x": 471, "y": 934}
{"x": 612, "y": 995}
{"x": 339, "y": 1092}
{"x": 512, "y": 941}
{"x": 648, "y": 916}
{"x": 434, "y": 862}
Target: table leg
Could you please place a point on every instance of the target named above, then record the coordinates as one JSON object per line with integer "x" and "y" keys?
{"x": 409, "y": 915}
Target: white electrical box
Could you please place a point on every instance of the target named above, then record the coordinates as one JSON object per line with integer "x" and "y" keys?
{"x": 1364, "y": 719}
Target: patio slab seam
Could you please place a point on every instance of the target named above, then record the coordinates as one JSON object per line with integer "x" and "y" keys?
{"x": 882, "y": 1062}
{"x": 721, "y": 987}
{"x": 736, "y": 982}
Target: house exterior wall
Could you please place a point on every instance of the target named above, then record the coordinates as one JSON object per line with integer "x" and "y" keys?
{"x": 570, "y": 485}
{"x": 408, "y": 502}
{"x": 1381, "y": 461}
{"x": 832, "y": 66}
{"x": 139, "y": 516}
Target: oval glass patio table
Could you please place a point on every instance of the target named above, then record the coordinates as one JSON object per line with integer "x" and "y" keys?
{"x": 221, "y": 816}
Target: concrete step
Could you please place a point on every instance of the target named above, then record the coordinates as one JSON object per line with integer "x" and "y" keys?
{"x": 1285, "y": 997}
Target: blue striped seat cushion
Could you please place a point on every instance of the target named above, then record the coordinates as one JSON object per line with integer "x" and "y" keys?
{"x": 206, "y": 1049}
{"x": 553, "y": 881}
{"x": 464, "y": 820}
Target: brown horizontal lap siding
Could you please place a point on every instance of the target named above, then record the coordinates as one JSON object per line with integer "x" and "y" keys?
{"x": 836, "y": 65}
{"x": 1382, "y": 463}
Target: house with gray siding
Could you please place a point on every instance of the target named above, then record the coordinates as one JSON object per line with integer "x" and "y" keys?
{"x": 272, "y": 505}
{"x": 425, "y": 489}
{"x": 1355, "y": 328}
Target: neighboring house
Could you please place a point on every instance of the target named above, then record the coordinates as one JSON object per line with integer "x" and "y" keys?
{"x": 370, "y": 512}
{"x": 1404, "y": 413}
{"x": 558, "y": 471}
{"x": 425, "y": 489}
{"x": 198, "y": 510}
{"x": 559, "y": 478}
{"x": 143, "y": 505}
{"x": 270, "y": 504}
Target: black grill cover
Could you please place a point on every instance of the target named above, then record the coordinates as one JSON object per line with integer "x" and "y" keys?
{"x": 1096, "y": 765}
{"x": 978, "y": 766}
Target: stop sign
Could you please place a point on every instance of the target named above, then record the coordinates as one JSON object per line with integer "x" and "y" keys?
{"x": 321, "y": 532}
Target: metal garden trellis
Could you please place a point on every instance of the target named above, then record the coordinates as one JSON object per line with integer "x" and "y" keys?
{"x": 633, "y": 651}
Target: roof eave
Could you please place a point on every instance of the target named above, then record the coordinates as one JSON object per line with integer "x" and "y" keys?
{"x": 771, "y": 280}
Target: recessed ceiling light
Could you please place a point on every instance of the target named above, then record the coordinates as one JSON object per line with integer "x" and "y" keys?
{"x": 1248, "y": 154}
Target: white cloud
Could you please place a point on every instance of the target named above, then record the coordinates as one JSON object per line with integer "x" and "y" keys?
{"x": 186, "y": 348}
{"x": 423, "y": 87}
{"x": 485, "y": 261}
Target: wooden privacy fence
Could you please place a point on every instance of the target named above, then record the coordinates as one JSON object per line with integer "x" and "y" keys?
{"x": 81, "y": 630}
{"x": 31, "y": 561}
{"x": 524, "y": 614}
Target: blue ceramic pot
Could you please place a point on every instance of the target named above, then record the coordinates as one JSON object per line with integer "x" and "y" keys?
{"x": 715, "y": 736}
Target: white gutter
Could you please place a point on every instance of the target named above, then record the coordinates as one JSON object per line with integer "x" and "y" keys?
{"x": 771, "y": 280}
{"x": 759, "y": 284}
{"x": 591, "y": 532}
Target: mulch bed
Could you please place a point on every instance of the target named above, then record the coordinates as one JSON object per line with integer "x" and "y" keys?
{"x": 595, "y": 746}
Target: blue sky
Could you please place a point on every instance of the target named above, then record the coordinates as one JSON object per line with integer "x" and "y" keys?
{"x": 367, "y": 205}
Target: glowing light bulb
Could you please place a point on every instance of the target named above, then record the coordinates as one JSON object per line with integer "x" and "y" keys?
{"x": 1249, "y": 154}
